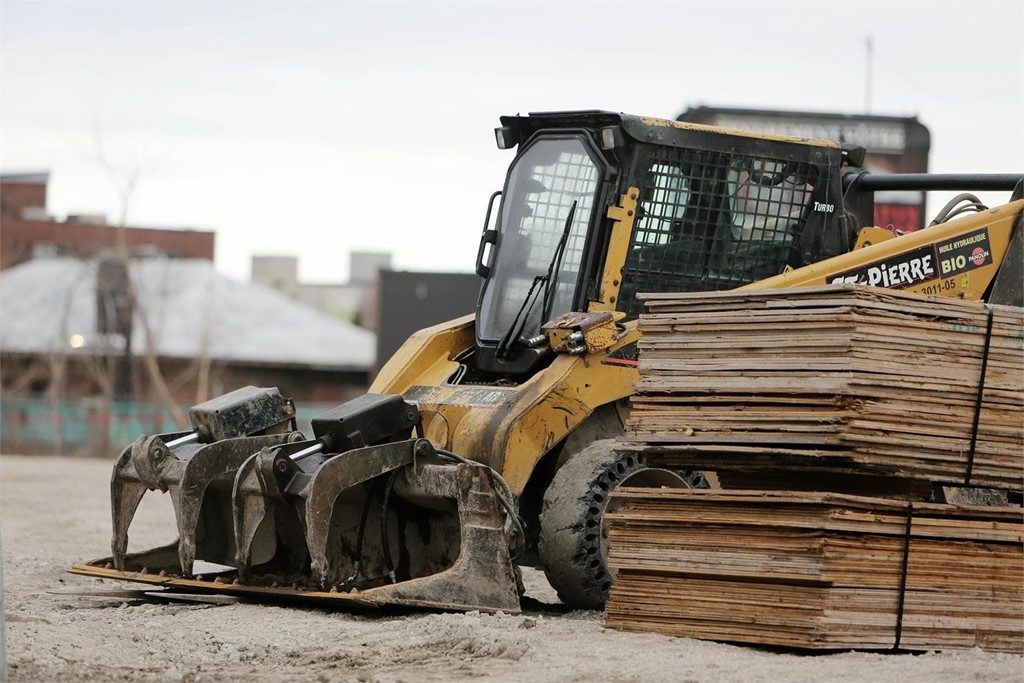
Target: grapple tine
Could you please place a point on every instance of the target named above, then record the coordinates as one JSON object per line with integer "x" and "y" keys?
{"x": 482, "y": 577}
{"x": 125, "y": 495}
{"x": 206, "y": 483}
{"x": 136, "y": 471}
{"x": 265, "y": 518}
{"x": 252, "y": 497}
{"x": 331, "y": 479}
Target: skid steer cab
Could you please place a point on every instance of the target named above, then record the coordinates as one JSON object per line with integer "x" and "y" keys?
{"x": 489, "y": 442}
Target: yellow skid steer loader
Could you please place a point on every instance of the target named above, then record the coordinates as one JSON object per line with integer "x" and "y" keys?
{"x": 488, "y": 442}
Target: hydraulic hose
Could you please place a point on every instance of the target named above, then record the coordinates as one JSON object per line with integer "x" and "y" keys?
{"x": 948, "y": 212}
{"x": 388, "y": 562}
{"x": 504, "y": 496}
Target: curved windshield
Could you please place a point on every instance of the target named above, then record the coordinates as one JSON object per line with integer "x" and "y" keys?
{"x": 545, "y": 211}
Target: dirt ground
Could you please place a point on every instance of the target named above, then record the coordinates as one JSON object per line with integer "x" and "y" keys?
{"x": 54, "y": 512}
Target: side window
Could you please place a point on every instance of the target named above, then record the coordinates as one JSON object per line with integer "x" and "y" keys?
{"x": 767, "y": 198}
{"x": 662, "y": 205}
{"x": 712, "y": 221}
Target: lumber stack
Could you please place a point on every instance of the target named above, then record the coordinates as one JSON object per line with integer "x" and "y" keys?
{"x": 816, "y": 570}
{"x": 844, "y": 379}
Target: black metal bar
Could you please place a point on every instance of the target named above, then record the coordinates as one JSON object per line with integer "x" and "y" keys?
{"x": 979, "y": 398}
{"x": 934, "y": 181}
{"x": 902, "y": 596}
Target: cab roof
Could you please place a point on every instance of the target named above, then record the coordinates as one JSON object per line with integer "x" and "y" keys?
{"x": 645, "y": 129}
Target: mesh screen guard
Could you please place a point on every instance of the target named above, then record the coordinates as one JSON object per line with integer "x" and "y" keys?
{"x": 713, "y": 220}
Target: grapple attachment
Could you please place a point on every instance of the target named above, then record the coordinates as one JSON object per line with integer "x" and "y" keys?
{"x": 197, "y": 468}
{"x": 366, "y": 508}
{"x": 366, "y": 514}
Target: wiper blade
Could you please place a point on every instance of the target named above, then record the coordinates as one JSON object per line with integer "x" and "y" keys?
{"x": 549, "y": 279}
{"x": 516, "y": 328}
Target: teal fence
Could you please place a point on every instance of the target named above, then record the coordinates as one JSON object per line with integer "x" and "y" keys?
{"x": 32, "y": 425}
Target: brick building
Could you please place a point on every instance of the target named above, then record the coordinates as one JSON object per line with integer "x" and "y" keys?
{"x": 27, "y": 230}
{"x": 198, "y": 333}
{"x": 98, "y": 345}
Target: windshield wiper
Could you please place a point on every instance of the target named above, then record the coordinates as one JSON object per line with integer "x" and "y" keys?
{"x": 549, "y": 279}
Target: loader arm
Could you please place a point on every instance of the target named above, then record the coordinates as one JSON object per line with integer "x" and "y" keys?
{"x": 959, "y": 259}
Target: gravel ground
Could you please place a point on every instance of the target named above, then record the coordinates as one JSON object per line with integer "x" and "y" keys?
{"x": 54, "y": 512}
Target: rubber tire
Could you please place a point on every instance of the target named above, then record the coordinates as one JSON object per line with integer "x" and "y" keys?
{"x": 570, "y": 547}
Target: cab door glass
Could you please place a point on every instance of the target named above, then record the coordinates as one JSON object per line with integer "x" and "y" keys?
{"x": 546, "y": 182}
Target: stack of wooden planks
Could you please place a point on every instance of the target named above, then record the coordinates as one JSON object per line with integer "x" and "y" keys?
{"x": 814, "y": 387}
{"x": 816, "y": 570}
{"x": 847, "y": 379}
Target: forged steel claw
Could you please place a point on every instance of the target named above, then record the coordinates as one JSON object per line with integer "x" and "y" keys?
{"x": 336, "y": 476}
{"x": 137, "y": 470}
{"x": 252, "y": 496}
{"x": 263, "y": 516}
{"x": 202, "y": 497}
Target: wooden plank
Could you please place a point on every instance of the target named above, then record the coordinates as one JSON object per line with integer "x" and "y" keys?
{"x": 816, "y": 570}
{"x": 887, "y": 380}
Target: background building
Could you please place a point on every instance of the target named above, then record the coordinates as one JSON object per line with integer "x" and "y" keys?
{"x": 109, "y": 332}
{"x": 391, "y": 303}
{"x": 27, "y": 230}
{"x": 190, "y": 334}
{"x": 353, "y": 301}
{"x": 410, "y": 301}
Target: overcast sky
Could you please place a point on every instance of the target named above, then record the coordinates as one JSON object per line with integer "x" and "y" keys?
{"x": 315, "y": 129}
